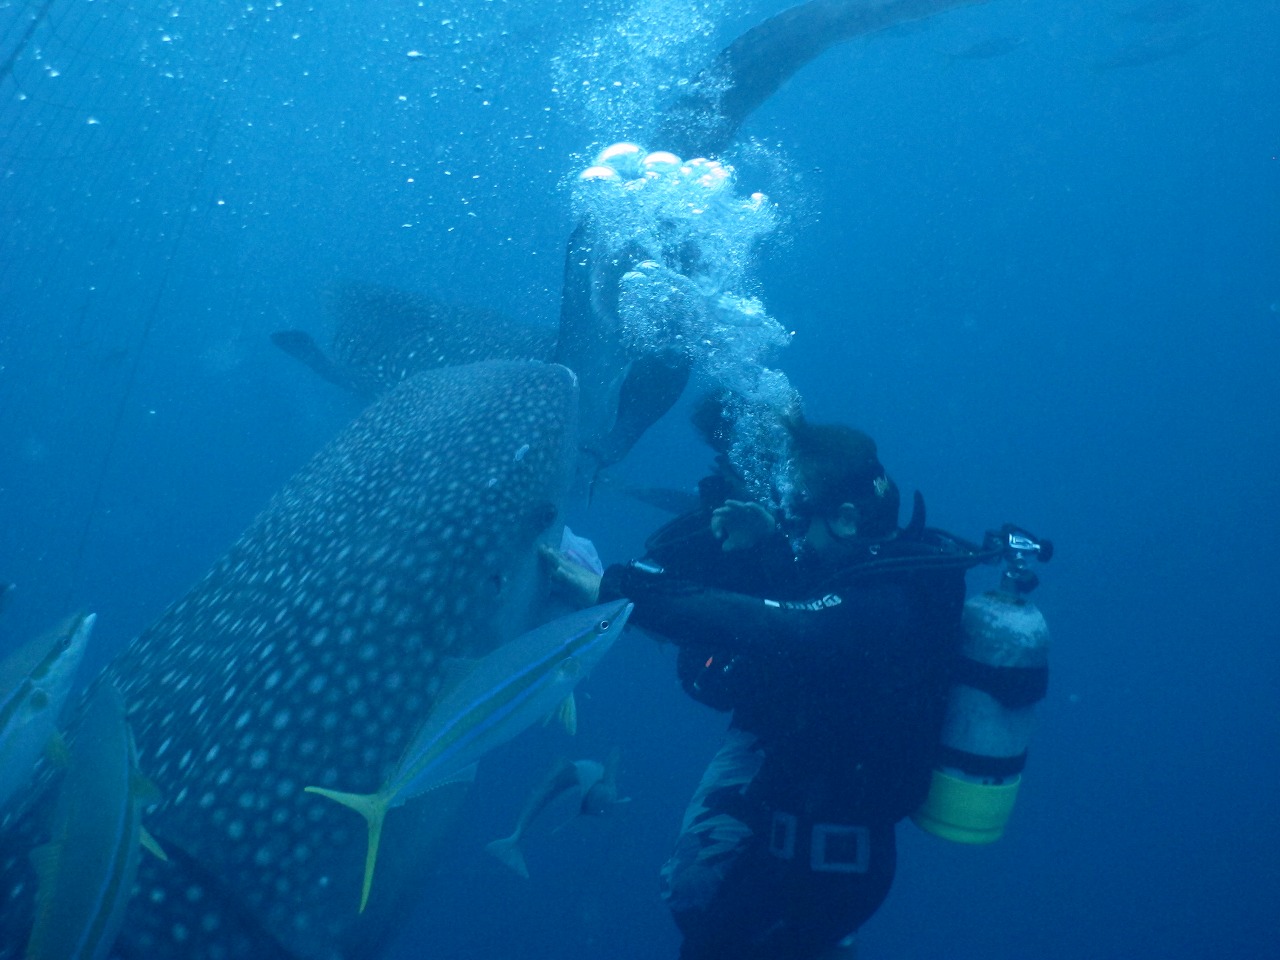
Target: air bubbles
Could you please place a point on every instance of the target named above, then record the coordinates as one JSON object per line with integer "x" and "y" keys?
{"x": 624, "y": 159}
{"x": 683, "y": 240}
{"x": 660, "y": 161}
{"x": 618, "y": 150}
{"x": 599, "y": 172}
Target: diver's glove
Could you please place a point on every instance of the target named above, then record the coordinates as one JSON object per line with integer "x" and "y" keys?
{"x": 741, "y": 524}
{"x": 573, "y": 581}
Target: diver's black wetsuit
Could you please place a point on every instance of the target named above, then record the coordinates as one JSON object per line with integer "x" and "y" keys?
{"x": 837, "y": 672}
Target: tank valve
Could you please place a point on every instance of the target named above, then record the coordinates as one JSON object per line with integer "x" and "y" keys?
{"x": 1017, "y": 548}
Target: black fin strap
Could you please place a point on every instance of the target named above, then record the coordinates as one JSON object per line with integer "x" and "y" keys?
{"x": 1013, "y": 687}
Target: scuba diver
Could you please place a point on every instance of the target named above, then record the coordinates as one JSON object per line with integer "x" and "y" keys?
{"x": 833, "y": 635}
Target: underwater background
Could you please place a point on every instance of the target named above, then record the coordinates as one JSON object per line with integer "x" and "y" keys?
{"x": 1033, "y": 248}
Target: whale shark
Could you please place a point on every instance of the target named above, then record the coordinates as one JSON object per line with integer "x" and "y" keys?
{"x": 312, "y": 651}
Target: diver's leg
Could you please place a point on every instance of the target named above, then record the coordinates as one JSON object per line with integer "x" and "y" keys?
{"x": 769, "y": 908}
{"x": 823, "y": 909}
{"x": 713, "y": 837}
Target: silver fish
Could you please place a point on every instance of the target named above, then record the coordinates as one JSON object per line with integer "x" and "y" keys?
{"x": 311, "y": 651}
{"x": 602, "y": 792}
{"x": 86, "y": 871}
{"x": 34, "y": 682}
{"x": 503, "y": 695}
{"x": 596, "y": 785}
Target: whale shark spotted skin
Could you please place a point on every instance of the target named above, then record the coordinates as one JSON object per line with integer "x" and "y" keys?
{"x": 314, "y": 648}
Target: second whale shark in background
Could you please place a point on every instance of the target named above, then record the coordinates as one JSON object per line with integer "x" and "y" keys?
{"x": 382, "y": 335}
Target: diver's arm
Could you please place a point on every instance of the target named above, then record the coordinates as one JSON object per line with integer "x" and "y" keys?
{"x": 688, "y": 613}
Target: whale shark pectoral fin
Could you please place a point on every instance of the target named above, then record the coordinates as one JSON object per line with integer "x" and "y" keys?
{"x": 302, "y": 347}
{"x": 652, "y": 385}
{"x": 373, "y": 807}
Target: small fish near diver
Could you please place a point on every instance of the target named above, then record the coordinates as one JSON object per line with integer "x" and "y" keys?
{"x": 597, "y": 790}
{"x": 502, "y": 695}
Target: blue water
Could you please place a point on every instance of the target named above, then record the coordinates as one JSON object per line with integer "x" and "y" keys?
{"x": 1049, "y": 287}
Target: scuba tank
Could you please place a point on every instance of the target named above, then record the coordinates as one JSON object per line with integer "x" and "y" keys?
{"x": 1002, "y": 673}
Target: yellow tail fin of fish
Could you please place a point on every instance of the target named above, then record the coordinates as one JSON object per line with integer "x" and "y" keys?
{"x": 373, "y": 807}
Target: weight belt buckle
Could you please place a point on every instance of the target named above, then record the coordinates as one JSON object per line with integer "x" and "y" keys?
{"x": 839, "y": 848}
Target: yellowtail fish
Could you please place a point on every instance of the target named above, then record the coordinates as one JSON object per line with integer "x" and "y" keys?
{"x": 86, "y": 871}
{"x": 597, "y": 790}
{"x": 34, "y": 682}
{"x": 504, "y": 693}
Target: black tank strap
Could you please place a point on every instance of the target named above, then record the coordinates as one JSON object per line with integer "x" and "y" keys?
{"x": 981, "y": 766}
{"x": 1013, "y": 687}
